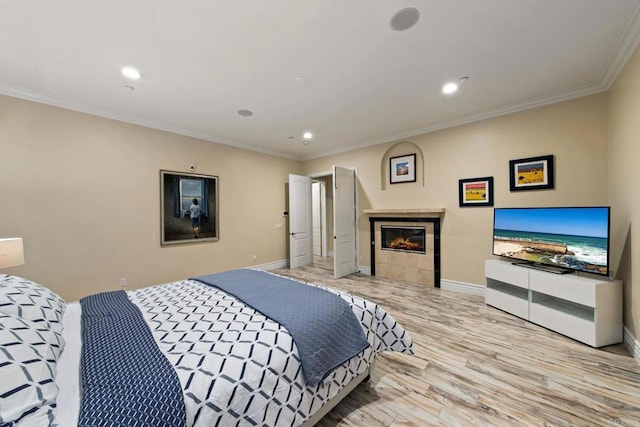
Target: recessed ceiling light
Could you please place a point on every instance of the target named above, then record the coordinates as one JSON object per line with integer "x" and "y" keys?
{"x": 307, "y": 135}
{"x": 450, "y": 88}
{"x": 301, "y": 81}
{"x": 130, "y": 87}
{"x": 131, "y": 73}
{"x": 404, "y": 19}
{"x": 246, "y": 113}
{"x": 305, "y": 142}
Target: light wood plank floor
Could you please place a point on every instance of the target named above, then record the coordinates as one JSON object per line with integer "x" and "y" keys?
{"x": 478, "y": 366}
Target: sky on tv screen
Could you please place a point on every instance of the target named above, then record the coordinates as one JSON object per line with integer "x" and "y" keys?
{"x": 591, "y": 222}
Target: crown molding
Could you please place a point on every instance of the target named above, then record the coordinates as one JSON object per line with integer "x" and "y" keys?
{"x": 46, "y": 99}
{"x": 626, "y": 47}
{"x": 502, "y": 111}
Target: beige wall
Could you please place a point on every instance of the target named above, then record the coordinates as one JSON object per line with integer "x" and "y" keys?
{"x": 573, "y": 131}
{"x": 624, "y": 175}
{"x": 83, "y": 192}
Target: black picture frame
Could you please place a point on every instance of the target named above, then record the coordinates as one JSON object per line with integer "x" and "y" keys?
{"x": 177, "y": 191}
{"x": 402, "y": 169}
{"x": 531, "y": 173}
{"x": 475, "y": 192}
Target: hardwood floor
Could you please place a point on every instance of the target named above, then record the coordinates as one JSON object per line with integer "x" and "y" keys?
{"x": 478, "y": 366}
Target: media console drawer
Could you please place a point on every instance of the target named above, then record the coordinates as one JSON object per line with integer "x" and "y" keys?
{"x": 507, "y": 300}
{"x": 568, "y": 324}
{"x": 516, "y": 276}
{"x": 566, "y": 286}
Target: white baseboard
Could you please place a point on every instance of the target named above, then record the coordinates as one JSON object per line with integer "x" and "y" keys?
{"x": 363, "y": 269}
{"x": 632, "y": 344}
{"x": 271, "y": 265}
{"x": 465, "y": 288}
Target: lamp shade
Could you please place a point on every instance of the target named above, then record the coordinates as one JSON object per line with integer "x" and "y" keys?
{"x": 11, "y": 252}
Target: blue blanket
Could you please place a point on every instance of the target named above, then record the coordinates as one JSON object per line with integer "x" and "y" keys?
{"x": 323, "y": 326}
{"x": 126, "y": 380}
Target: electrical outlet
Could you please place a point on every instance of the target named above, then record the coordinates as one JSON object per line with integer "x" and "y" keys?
{"x": 123, "y": 282}
{"x": 254, "y": 257}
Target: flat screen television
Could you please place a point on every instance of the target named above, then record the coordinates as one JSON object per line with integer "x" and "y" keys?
{"x": 564, "y": 239}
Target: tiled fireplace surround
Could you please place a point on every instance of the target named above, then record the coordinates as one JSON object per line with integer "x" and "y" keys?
{"x": 406, "y": 266}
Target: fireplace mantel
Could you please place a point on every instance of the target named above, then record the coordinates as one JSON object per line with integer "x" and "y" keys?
{"x": 409, "y": 213}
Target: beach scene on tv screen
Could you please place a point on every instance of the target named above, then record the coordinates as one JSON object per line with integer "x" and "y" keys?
{"x": 574, "y": 238}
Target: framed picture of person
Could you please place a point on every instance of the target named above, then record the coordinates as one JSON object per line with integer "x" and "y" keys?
{"x": 188, "y": 208}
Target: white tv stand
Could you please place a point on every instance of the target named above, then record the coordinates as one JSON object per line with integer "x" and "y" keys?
{"x": 583, "y": 308}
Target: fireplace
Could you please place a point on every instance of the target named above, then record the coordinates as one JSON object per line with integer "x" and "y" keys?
{"x": 403, "y": 239}
{"x": 405, "y": 244}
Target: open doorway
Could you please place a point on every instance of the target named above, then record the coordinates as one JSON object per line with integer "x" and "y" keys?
{"x": 318, "y": 218}
{"x": 322, "y": 222}
{"x": 341, "y": 229}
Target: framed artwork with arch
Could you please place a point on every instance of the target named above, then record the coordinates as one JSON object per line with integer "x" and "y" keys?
{"x": 402, "y": 169}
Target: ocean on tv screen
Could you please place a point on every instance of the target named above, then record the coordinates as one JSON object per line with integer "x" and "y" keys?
{"x": 585, "y": 250}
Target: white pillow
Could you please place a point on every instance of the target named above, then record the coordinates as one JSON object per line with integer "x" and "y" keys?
{"x": 31, "y": 301}
{"x": 28, "y": 358}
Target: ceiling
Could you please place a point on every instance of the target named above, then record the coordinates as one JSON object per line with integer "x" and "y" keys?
{"x": 332, "y": 67}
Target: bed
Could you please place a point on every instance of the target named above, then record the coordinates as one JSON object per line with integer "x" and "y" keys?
{"x": 195, "y": 352}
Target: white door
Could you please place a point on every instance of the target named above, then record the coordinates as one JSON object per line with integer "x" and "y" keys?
{"x": 344, "y": 222}
{"x": 316, "y": 203}
{"x": 300, "y": 252}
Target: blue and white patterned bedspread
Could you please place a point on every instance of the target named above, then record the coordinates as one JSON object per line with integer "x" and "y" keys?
{"x": 237, "y": 367}
{"x": 324, "y": 328}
